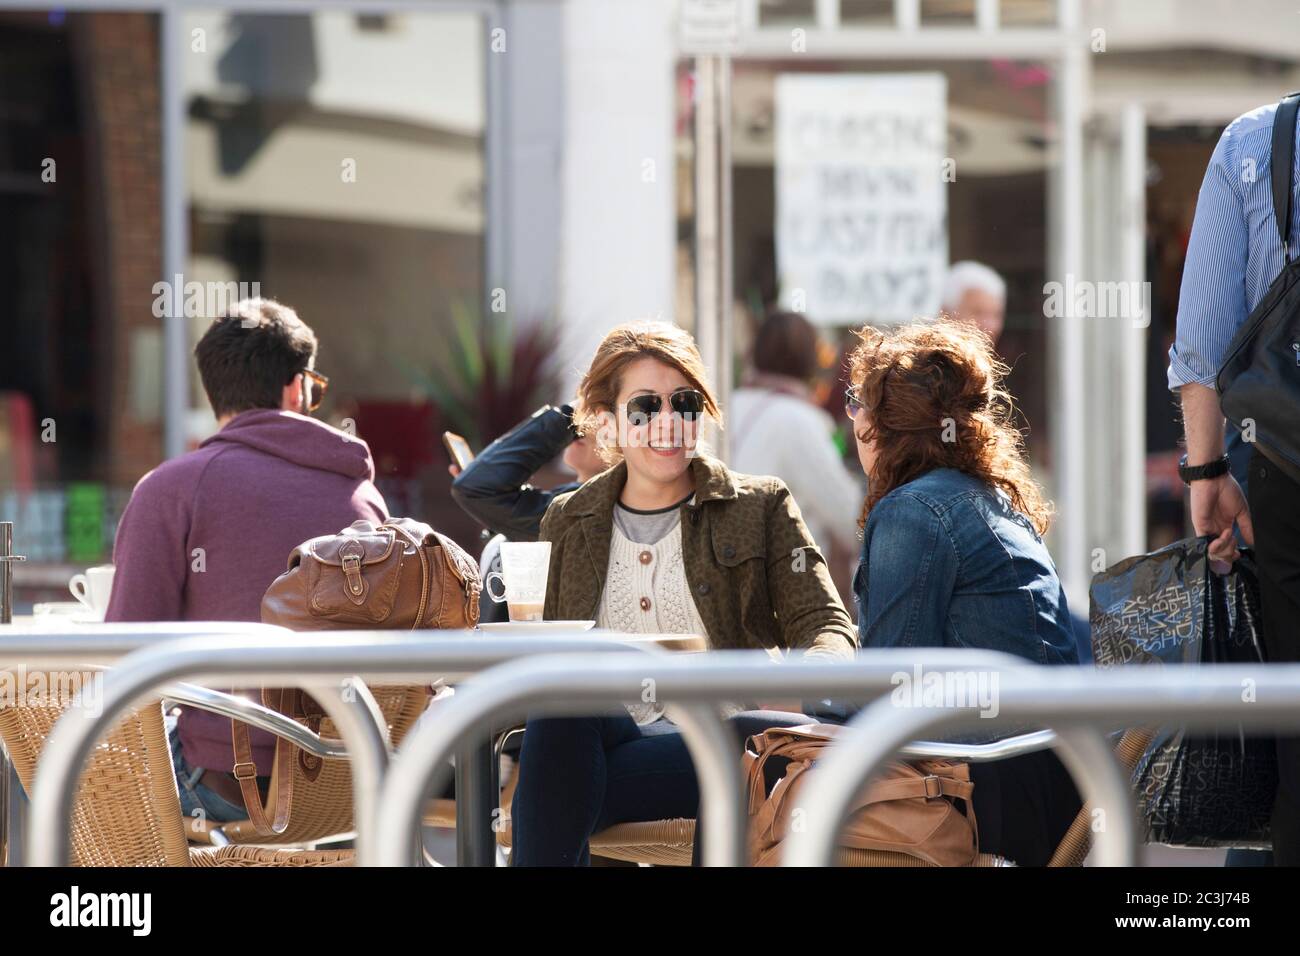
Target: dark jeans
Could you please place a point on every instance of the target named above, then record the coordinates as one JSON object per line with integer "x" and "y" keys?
{"x": 579, "y": 775}
{"x": 1275, "y": 514}
{"x": 197, "y": 800}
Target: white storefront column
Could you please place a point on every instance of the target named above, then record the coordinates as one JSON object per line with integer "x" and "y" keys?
{"x": 1133, "y": 334}
{"x": 618, "y": 229}
{"x": 1067, "y": 342}
{"x": 528, "y": 116}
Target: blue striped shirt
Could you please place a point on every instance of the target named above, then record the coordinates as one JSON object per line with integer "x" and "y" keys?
{"x": 1234, "y": 253}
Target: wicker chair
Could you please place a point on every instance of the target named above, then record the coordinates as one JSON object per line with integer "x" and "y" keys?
{"x": 127, "y": 811}
{"x": 1077, "y": 841}
{"x": 322, "y": 808}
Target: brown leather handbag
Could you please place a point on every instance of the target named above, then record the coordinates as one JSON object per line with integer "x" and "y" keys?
{"x": 397, "y": 575}
{"x": 400, "y": 574}
{"x": 922, "y": 809}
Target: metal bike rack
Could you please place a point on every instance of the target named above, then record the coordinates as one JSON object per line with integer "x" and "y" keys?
{"x": 1077, "y": 702}
{"x": 569, "y": 685}
{"x": 1074, "y": 701}
{"x": 236, "y": 658}
{"x": 576, "y": 675}
{"x": 38, "y": 646}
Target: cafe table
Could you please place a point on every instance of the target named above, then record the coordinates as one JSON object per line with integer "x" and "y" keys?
{"x": 476, "y": 771}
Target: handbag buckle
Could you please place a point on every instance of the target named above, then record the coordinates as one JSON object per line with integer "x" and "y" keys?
{"x": 352, "y": 574}
{"x": 933, "y": 787}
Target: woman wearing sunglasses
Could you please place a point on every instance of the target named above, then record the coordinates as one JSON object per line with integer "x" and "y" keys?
{"x": 951, "y": 553}
{"x": 667, "y": 540}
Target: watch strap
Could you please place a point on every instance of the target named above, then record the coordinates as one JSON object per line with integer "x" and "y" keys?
{"x": 1211, "y": 469}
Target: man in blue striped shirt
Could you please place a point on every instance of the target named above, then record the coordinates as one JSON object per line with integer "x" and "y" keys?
{"x": 1234, "y": 255}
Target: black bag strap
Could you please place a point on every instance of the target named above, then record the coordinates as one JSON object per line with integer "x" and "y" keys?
{"x": 1283, "y": 162}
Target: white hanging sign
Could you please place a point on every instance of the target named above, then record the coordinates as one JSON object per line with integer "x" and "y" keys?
{"x": 861, "y": 204}
{"x": 708, "y": 26}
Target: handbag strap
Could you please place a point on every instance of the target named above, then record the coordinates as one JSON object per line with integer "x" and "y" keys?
{"x": 1282, "y": 164}
{"x": 928, "y": 785}
{"x": 245, "y": 771}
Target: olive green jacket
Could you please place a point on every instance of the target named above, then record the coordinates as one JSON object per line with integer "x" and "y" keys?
{"x": 757, "y": 578}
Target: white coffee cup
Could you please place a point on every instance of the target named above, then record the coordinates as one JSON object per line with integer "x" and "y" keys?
{"x": 524, "y": 569}
{"x": 93, "y": 588}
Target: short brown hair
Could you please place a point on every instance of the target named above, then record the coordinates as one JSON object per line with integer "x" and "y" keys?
{"x": 623, "y": 345}
{"x": 786, "y": 344}
{"x": 247, "y": 356}
{"x": 934, "y": 398}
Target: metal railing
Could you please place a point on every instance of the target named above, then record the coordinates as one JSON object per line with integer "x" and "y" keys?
{"x": 690, "y": 687}
{"x": 316, "y": 665}
{"x": 576, "y": 675}
{"x": 1074, "y": 701}
{"x": 44, "y": 646}
{"x": 1079, "y": 703}
{"x": 378, "y": 656}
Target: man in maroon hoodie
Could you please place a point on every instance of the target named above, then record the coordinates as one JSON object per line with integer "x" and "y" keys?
{"x": 205, "y": 534}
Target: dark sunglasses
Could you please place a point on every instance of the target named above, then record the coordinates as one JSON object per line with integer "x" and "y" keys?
{"x": 687, "y": 402}
{"x": 318, "y": 383}
{"x": 853, "y": 401}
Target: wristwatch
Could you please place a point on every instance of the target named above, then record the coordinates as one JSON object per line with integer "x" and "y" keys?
{"x": 1211, "y": 469}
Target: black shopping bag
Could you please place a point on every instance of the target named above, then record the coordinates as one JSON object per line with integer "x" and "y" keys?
{"x": 1213, "y": 789}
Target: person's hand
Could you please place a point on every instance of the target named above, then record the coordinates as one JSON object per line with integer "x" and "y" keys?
{"x": 786, "y": 706}
{"x": 454, "y": 470}
{"x": 1217, "y": 503}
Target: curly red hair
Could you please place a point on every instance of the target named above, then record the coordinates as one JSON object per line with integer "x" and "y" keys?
{"x": 934, "y": 398}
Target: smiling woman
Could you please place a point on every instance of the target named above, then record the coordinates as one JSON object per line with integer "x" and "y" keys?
{"x": 644, "y": 398}
{"x": 667, "y": 540}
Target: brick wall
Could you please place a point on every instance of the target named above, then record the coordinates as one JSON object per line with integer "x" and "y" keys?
{"x": 118, "y": 63}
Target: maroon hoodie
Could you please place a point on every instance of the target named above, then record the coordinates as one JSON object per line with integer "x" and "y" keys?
{"x": 249, "y": 495}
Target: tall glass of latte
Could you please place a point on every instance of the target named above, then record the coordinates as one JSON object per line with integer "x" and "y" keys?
{"x": 524, "y": 567}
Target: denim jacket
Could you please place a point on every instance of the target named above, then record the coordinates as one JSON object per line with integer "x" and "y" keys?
{"x": 947, "y": 561}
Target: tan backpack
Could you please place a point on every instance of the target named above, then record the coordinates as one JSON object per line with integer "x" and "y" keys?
{"x": 397, "y": 575}
{"x": 922, "y": 808}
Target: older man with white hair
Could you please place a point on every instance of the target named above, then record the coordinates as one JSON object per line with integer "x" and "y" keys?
{"x": 976, "y": 294}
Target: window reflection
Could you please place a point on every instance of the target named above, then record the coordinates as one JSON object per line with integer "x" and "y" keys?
{"x": 337, "y": 161}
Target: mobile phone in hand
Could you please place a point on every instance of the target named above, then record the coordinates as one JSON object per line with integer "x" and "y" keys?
{"x": 458, "y": 449}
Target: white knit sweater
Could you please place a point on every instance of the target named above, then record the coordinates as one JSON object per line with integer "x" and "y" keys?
{"x": 646, "y": 593}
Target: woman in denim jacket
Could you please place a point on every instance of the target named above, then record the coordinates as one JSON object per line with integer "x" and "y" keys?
{"x": 952, "y": 554}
